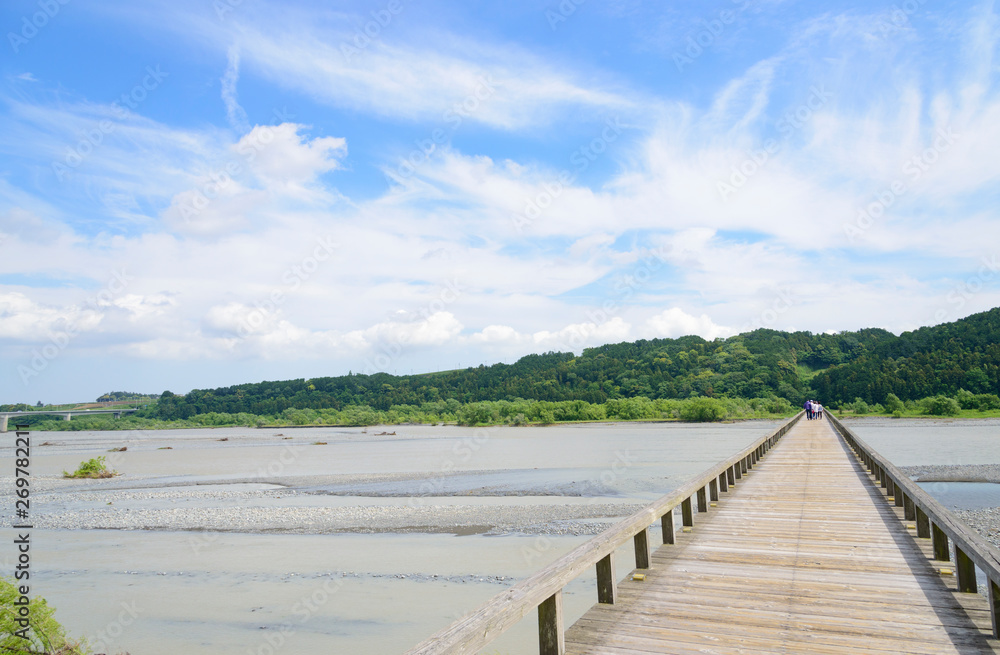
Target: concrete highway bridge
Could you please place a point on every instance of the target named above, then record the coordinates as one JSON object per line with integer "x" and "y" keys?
{"x": 67, "y": 414}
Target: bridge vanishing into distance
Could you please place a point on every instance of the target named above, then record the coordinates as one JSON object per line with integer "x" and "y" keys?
{"x": 808, "y": 541}
{"x": 67, "y": 414}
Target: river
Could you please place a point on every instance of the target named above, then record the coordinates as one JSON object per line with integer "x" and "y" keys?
{"x": 346, "y": 540}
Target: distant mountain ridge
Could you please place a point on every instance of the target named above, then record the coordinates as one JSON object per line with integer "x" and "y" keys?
{"x": 834, "y": 368}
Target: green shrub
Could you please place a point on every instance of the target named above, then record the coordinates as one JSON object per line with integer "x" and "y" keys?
{"x": 701, "y": 410}
{"x": 941, "y": 406}
{"x": 94, "y": 468}
{"x": 44, "y": 634}
{"x": 859, "y": 406}
{"x": 893, "y": 404}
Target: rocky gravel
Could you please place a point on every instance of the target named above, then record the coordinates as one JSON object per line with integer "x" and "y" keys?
{"x": 261, "y": 511}
{"x": 954, "y": 473}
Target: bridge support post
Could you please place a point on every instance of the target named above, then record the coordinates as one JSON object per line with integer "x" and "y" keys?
{"x": 940, "y": 543}
{"x": 995, "y": 607}
{"x": 686, "y": 514}
{"x": 667, "y": 527}
{"x": 923, "y": 525}
{"x": 641, "y": 541}
{"x": 3, "y": 423}
{"x": 713, "y": 490}
{"x": 966, "y": 570}
{"x": 606, "y": 585}
{"x": 702, "y": 503}
{"x": 67, "y": 416}
{"x": 551, "y": 636}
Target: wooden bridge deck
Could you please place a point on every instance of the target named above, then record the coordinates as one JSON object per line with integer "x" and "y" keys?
{"x": 803, "y": 555}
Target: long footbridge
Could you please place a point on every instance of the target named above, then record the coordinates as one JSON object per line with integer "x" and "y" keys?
{"x": 808, "y": 541}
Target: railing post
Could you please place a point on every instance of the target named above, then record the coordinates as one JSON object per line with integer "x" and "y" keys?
{"x": 994, "y": 592}
{"x": 667, "y": 526}
{"x": 723, "y": 482}
{"x": 885, "y": 481}
{"x": 641, "y": 540}
{"x": 940, "y": 543}
{"x": 713, "y": 490}
{"x": 737, "y": 473}
{"x": 900, "y": 495}
{"x": 743, "y": 465}
{"x": 923, "y": 524}
{"x": 551, "y": 637}
{"x": 702, "y": 503}
{"x": 966, "y": 571}
{"x": 890, "y": 489}
{"x": 686, "y": 514}
{"x": 909, "y": 509}
{"x": 606, "y": 585}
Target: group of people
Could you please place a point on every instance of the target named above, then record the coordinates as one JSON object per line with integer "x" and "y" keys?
{"x": 813, "y": 409}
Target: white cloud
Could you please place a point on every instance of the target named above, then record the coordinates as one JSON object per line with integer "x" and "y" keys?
{"x": 675, "y": 322}
{"x": 236, "y": 115}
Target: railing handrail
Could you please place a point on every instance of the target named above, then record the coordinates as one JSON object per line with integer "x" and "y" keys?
{"x": 984, "y": 554}
{"x": 477, "y": 629}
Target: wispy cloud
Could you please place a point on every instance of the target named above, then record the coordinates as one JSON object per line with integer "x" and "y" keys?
{"x": 235, "y": 114}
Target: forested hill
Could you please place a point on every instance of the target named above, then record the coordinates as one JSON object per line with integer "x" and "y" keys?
{"x": 837, "y": 368}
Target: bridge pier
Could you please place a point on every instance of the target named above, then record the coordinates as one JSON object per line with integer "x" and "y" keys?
{"x": 67, "y": 416}
{"x": 3, "y": 423}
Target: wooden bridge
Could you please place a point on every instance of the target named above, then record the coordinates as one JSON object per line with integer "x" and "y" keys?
{"x": 806, "y": 542}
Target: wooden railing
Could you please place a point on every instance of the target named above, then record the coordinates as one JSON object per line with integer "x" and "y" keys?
{"x": 933, "y": 522}
{"x": 543, "y": 590}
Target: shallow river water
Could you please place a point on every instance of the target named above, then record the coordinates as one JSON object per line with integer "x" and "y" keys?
{"x": 341, "y": 540}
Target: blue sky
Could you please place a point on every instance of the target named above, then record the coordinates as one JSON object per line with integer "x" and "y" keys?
{"x": 196, "y": 194}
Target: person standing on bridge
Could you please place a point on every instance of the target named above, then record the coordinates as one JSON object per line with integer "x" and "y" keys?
{"x": 818, "y": 409}
{"x": 807, "y": 405}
